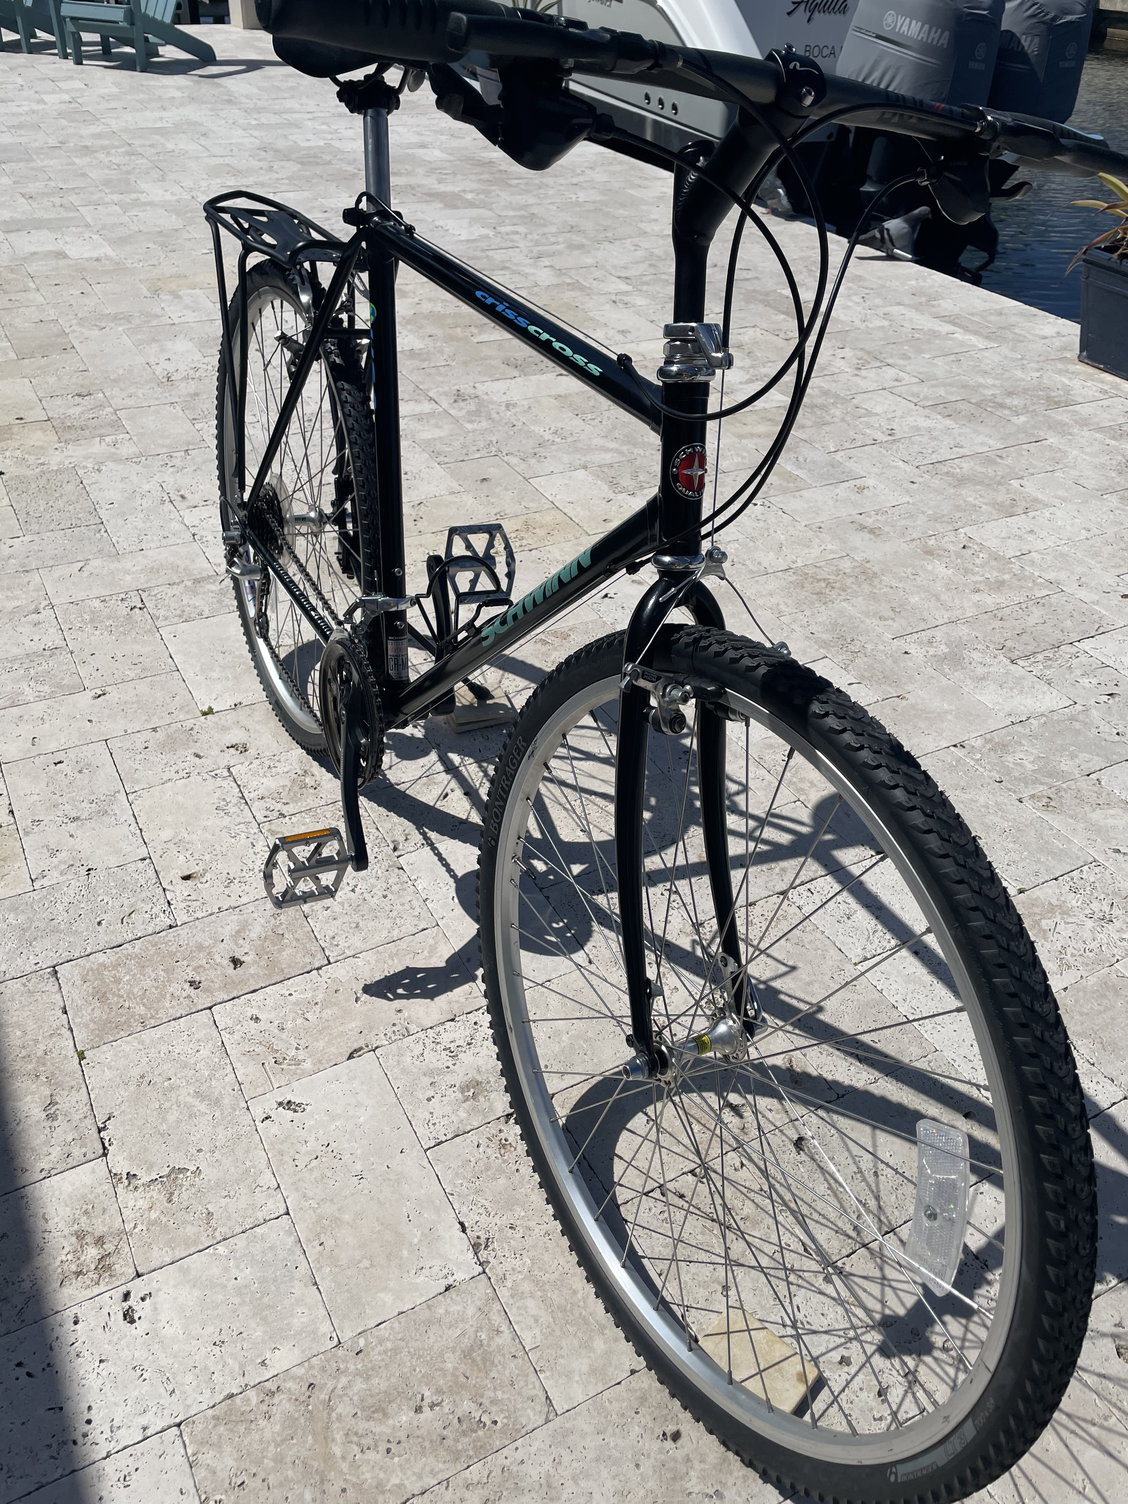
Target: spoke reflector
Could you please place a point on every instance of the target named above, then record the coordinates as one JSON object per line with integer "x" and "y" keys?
{"x": 941, "y": 1212}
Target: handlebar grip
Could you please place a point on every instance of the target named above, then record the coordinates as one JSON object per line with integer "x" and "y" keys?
{"x": 597, "y": 50}
{"x": 404, "y": 30}
{"x": 1058, "y": 147}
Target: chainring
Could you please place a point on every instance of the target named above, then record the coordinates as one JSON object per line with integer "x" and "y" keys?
{"x": 345, "y": 676}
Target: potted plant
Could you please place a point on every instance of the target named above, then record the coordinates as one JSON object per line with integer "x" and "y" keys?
{"x": 1104, "y": 284}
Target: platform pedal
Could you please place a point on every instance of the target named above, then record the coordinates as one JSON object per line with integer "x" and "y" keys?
{"x": 305, "y": 868}
{"x": 480, "y": 565}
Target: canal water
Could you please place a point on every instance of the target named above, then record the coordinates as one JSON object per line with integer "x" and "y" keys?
{"x": 1039, "y": 235}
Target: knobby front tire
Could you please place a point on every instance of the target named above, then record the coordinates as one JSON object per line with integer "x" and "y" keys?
{"x": 749, "y": 1223}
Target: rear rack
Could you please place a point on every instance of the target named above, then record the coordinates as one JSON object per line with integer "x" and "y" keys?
{"x": 267, "y": 230}
{"x": 272, "y": 229}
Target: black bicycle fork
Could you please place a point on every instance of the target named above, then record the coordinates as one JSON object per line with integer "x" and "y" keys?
{"x": 650, "y": 702}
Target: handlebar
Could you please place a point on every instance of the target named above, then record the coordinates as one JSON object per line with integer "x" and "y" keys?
{"x": 442, "y": 31}
{"x": 409, "y": 31}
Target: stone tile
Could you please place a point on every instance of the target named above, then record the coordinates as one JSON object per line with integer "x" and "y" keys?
{"x": 66, "y": 546}
{"x": 1104, "y": 1358}
{"x": 1036, "y": 626}
{"x": 446, "y": 874}
{"x": 40, "y": 676}
{"x": 1049, "y": 749}
{"x": 28, "y": 443}
{"x": 204, "y": 843}
{"x": 213, "y": 658}
{"x": 72, "y": 812}
{"x": 957, "y": 652}
{"x": 61, "y": 1241}
{"x": 1077, "y": 922}
{"x": 416, "y": 1400}
{"x": 49, "y": 1122}
{"x": 133, "y": 1361}
{"x": 14, "y": 876}
{"x": 1114, "y": 778}
{"x": 93, "y": 715}
{"x": 1109, "y": 647}
{"x": 573, "y": 1343}
{"x": 187, "y": 1166}
{"x": 634, "y": 1443}
{"x": 161, "y": 429}
{"x": 1023, "y": 846}
{"x": 138, "y": 571}
{"x": 83, "y": 416}
{"x": 936, "y": 714}
{"x": 201, "y": 744}
{"x": 73, "y": 918}
{"x": 169, "y": 605}
{"x": 49, "y": 500}
{"x": 113, "y": 640}
{"x": 184, "y": 970}
{"x": 155, "y": 1471}
{"x": 307, "y": 1023}
{"x": 137, "y": 499}
{"x": 27, "y": 622}
{"x": 448, "y": 1078}
{"x": 1095, "y": 1010}
{"x": 378, "y": 1231}
{"x": 283, "y": 783}
{"x": 1094, "y": 814}
{"x": 18, "y": 402}
{"x": 1085, "y": 679}
{"x": 1091, "y": 574}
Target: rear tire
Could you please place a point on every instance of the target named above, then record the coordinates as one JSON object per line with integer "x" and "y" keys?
{"x": 749, "y": 1220}
{"x": 318, "y": 510}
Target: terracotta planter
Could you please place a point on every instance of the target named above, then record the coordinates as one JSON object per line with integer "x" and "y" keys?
{"x": 1104, "y": 312}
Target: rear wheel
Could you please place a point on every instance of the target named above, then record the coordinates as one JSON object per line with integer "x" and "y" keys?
{"x": 857, "y": 1236}
{"x": 317, "y": 512}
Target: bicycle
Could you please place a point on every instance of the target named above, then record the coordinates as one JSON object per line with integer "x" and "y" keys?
{"x": 783, "y": 1056}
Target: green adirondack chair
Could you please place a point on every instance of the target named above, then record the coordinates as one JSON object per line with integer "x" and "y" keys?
{"x": 142, "y": 25}
{"x": 26, "y": 17}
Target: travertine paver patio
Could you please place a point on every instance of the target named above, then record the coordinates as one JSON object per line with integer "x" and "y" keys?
{"x": 267, "y": 1233}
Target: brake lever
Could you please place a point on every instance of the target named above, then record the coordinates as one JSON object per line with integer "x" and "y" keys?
{"x": 962, "y": 190}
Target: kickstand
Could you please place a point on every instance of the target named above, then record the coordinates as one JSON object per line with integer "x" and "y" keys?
{"x": 310, "y": 866}
{"x": 351, "y": 742}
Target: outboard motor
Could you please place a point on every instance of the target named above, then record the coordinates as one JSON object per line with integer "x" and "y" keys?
{"x": 1041, "y": 54}
{"x": 941, "y": 50}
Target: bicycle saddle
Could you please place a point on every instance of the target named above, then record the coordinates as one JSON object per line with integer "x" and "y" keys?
{"x": 321, "y": 60}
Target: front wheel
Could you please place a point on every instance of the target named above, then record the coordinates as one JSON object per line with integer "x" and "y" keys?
{"x": 851, "y": 1222}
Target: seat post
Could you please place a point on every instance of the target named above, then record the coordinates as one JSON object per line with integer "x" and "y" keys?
{"x": 377, "y": 164}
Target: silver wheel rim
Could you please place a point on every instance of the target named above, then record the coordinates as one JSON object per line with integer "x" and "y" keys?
{"x": 551, "y": 992}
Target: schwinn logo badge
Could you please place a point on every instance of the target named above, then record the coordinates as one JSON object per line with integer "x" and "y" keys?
{"x": 535, "y": 597}
{"x": 688, "y": 471}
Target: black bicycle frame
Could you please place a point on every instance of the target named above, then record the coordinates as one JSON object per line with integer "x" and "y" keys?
{"x": 670, "y": 519}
